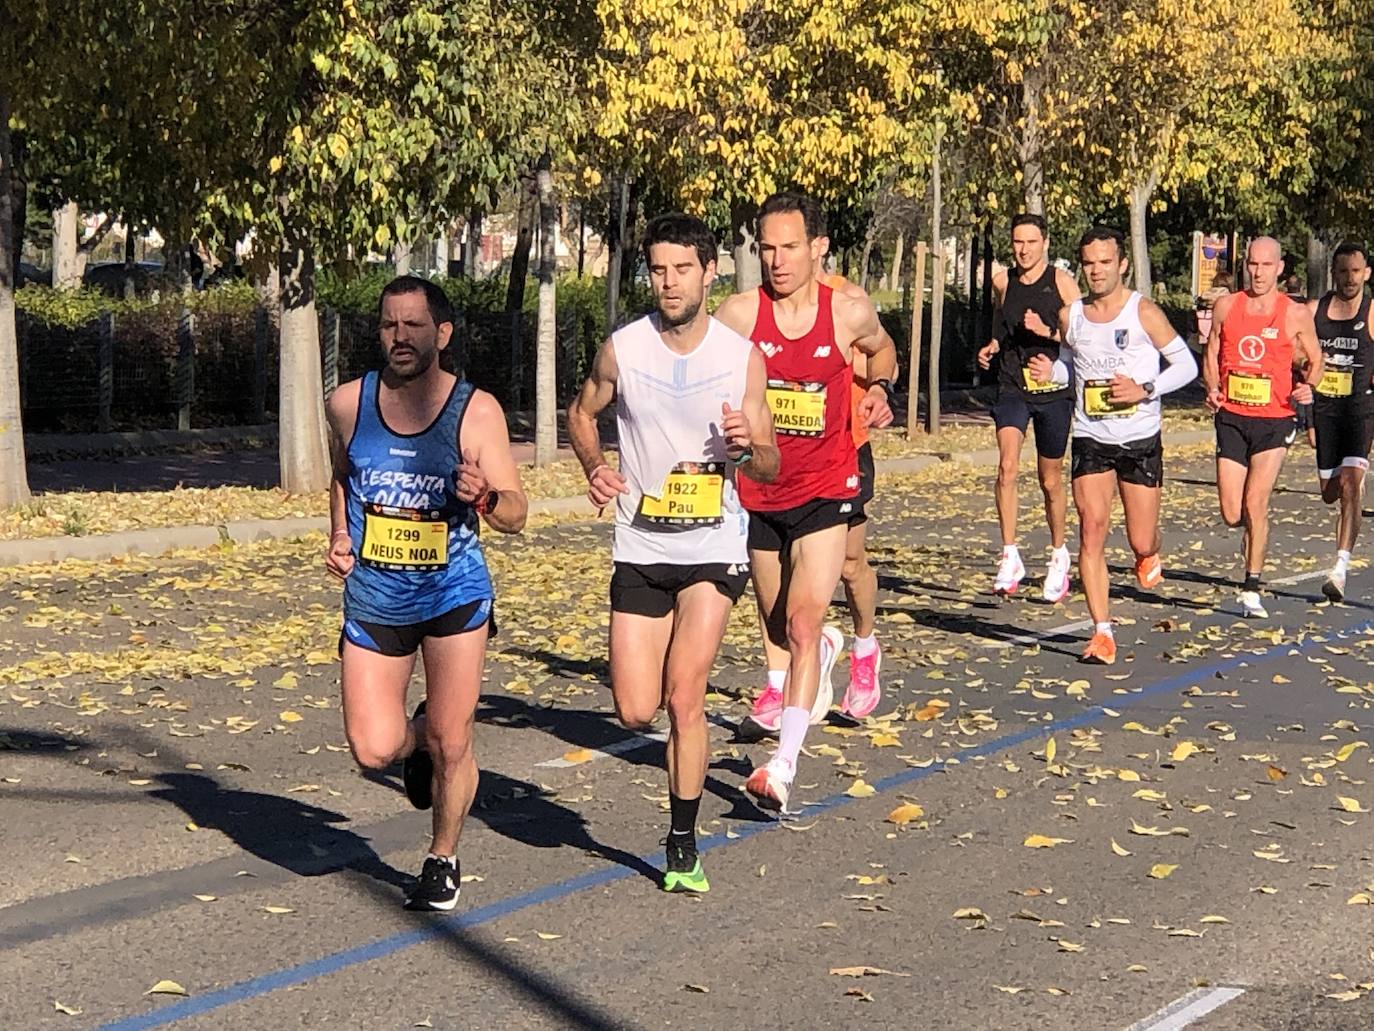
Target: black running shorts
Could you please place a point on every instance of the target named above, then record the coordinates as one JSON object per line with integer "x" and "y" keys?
{"x": 865, "y": 495}
{"x": 1241, "y": 437}
{"x": 399, "y": 641}
{"x": 1344, "y": 437}
{"x": 1138, "y": 461}
{"x": 652, "y": 590}
{"x": 1052, "y": 420}
{"x": 774, "y": 531}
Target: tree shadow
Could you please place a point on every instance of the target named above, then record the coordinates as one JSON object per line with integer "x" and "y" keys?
{"x": 15, "y": 739}
{"x": 988, "y": 630}
{"x": 562, "y": 665}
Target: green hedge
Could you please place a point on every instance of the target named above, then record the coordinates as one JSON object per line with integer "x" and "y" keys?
{"x": 72, "y": 309}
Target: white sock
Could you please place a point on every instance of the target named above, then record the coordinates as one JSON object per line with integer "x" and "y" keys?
{"x": 1342, "y": 560}
{"x": 792, "y": 733}
{"x": 1105, "y": 628}
{"x": 1010, "y": 551}
{"x": 777, "y": 679}
{"x": 865, "y": 646}
{"x": 1061, "y": 552}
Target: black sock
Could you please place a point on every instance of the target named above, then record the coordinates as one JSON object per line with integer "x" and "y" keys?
{"x": 1252, "y": 582}
{"x": 684, "y": 817}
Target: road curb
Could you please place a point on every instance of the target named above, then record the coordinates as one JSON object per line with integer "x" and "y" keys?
{"x": 160, "y": 540}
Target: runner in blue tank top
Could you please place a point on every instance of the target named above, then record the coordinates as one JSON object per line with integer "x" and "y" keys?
{"x": 420, "y": 460}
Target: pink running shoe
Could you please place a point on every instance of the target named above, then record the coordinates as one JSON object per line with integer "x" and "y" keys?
{"x": 864, "y": 692}
{"x": 771, "y": 784}
{"x": 766, "y": 715}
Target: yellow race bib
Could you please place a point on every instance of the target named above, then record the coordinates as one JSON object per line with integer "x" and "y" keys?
{"x": 1248, "y": 390}
{"x": 1098, "y": 403}
{"x": 1336, "y": 383}
{"x": 798, "y": 408}
{"x": 403, "y": 539}
{"x": 1035, "y": 386}
{"x": 691, "y": 497}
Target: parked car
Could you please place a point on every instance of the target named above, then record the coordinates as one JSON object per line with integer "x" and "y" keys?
{"x": 109, "y": 276}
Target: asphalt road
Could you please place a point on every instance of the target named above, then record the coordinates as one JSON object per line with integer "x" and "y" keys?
{"x": 177, "y": 803}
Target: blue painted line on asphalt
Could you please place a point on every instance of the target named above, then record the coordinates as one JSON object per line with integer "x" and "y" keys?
{"x": 383, "y": 947}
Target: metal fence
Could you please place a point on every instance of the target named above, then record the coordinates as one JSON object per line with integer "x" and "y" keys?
{"x": 154, "y": 370}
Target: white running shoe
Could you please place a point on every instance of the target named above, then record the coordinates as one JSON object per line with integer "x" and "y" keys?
{"x": 832, "y": 643}
{"x": 1334, "y": 588}
{"x": 771, "y": 783}
{"x": 1057, "y": 577}
{"x": 1251, "y": 606}
{"x": 1010, "y": 573}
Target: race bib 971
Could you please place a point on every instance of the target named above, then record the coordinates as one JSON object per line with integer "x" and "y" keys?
{"x": 691, "y": 497}
{"x": 403, "y": 539}
{"x": 798, "y": 408}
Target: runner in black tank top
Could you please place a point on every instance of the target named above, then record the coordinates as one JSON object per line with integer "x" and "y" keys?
{"x": 1343, "y": 401}
{"x": 1030, "y": 297}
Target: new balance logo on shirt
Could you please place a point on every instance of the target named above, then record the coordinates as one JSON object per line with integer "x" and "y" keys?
{"x": 822, "y": 352}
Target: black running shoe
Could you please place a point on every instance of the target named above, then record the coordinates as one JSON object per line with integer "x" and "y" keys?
{"x": 417, "y": 771}
{"x": 437, "y": 887}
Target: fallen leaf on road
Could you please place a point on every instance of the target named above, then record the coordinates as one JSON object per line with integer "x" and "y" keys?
{"x": 579, "y": 755}
{"x": 289, "y": 716}
{"x": 1119, "y": 850}
{"x": 700, "y": 989}
{"x": 1042, "y": 841}
{"x": 967, "y": 913}
{"x": 864, "y": 971}
{"x": 1350, "y": 805}
{"x": 1212, "y": 918}
{"x": 277, "y": 910}
{"x": 860, "y": 789}
{"x": 62, "y": 1007}
{"x": 548, "y": 936}
{"x": 904, "y": 814}
{"x": 1182, "y": 750}
{"x": 860, "y": 994}
{"x": 166, "y": 988}
{"x": 1009, "y": 989}
{"x": 1346, "y": 751}
{"x": 205, "y": 898}
{"x": 1162, "y": 870}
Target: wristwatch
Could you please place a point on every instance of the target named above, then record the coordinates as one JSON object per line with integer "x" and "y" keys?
{"x": 886, "y": 384}
{"x": 487, "y": 502}
{"x": 1149, "y": 388}
{"x": 743, "y": 457}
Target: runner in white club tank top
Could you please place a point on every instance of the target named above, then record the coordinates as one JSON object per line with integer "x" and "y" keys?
{"x": 691, "y": 415}
{"x": 1113, "y": 342}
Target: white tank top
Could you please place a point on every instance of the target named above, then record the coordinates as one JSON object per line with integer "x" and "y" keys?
{"x": 682, "y": 508}
{"x": 1101, "y": 350}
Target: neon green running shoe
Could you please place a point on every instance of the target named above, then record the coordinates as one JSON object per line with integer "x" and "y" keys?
{"x": 684, "y": 872}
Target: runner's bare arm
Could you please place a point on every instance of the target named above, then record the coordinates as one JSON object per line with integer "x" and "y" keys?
{"x": 341, "y": 412}
{"x": 603, "y": 482}
{"x": 1211, "y": 359}
{"x": 999, "y": 287}
{"x": 488, "y": 465}
{"x": 739, "y": 312}
{"x": 766, "y": 460}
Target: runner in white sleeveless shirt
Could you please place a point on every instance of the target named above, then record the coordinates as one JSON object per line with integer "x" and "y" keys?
{"x": 1113, "y": 342}
{"x": 691, "y": 415}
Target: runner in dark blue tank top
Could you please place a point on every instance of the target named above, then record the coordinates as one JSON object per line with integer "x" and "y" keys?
{"x": 420, "y": 460}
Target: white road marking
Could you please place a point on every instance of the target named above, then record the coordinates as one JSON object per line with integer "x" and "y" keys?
{"x": 1187, "y": 1009}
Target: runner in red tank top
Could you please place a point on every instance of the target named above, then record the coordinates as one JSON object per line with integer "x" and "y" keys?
{"x": 807, "y": 333}
{"x": 1258, "y": 338}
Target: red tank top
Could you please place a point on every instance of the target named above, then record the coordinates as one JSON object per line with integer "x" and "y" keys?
{"x": 1256, "y": 361}
{"x": 809, "y": 381}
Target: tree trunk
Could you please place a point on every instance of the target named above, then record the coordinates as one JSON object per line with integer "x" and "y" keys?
{"x": 581, "y": 239}
{"x": 629, "y": 242}
{"x": 524, "y": 240}
{"x": 748, "y": 271}
{"x": 1318, "y": 266}
{"x": 130, "y": 283}
{"x": 985, "y": 298}
{"x": 918, "y": 310}
{"x": 14, "y": 479}
{"x": 400, "y": 256}
{"x": 546, "y": 345}
{"x": 615, "y": 231}
{"x": 894, "y": 274}
{"x": 1031, "y": 146}
{"x": 937, "y": 294}
{"x": 864, "y": 258}
{"x": 972, "y": 271}
{"x": 19, "y": 197}
{"x": 472, "y": 247}
{"x": 303, "y": 443}
{"x": 454, "y": 252}
{"x": 1140, "y": 241}
{"x": 66, "y": 257}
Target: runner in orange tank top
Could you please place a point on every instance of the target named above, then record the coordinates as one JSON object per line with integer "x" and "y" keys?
{"x": 859, "y": 579}
{"x": 1258, "y": 338}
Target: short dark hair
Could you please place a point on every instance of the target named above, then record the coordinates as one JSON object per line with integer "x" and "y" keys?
{"x": 683, "y": 230}
{"x": 1026, "y": 218}
{"x": 1349, "y": 247}
{"x": 440, "y": 307}
{"x": 1097, "y": 233}
{"x": 813, "y": 215}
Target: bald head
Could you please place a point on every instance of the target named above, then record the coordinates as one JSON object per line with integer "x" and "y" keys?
{"x": 1263, "y": 265}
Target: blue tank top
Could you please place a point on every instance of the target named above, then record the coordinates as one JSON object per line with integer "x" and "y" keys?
{"x": 415, "y": 546}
